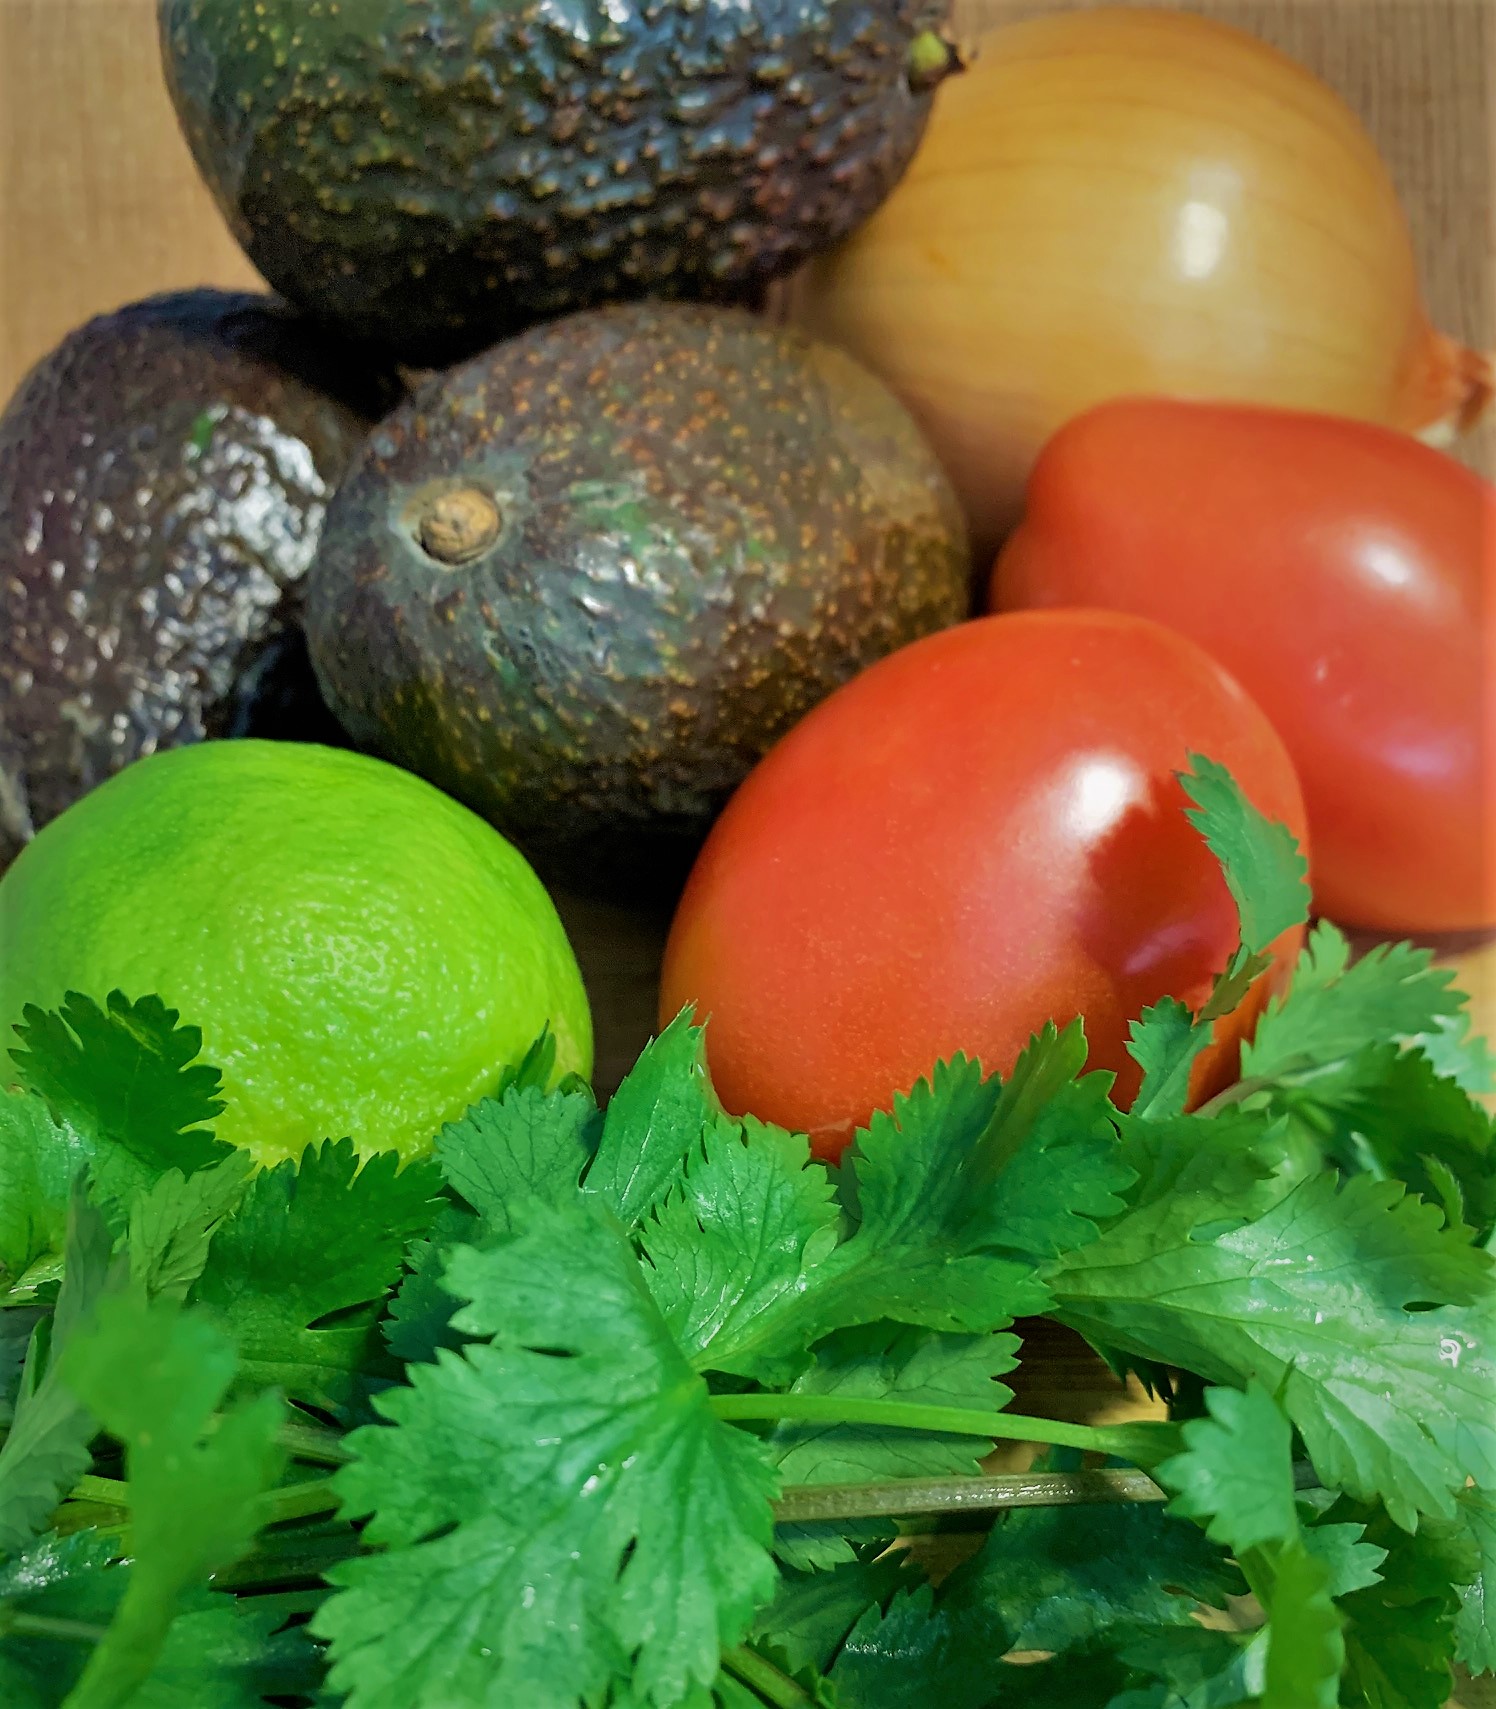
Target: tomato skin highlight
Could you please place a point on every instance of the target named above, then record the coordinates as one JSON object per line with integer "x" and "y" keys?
{"x": 981, "y": 833}
{"x": 1346, "y": 576}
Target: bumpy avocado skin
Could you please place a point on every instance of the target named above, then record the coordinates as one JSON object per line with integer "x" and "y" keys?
{"x": 705, "y": 525}
{"x": 436, "y": 173}
{"x": 164, "y": 474}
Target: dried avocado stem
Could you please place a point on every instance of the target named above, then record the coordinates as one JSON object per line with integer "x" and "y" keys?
{"x": 931, "y": 60}
{"x": 457, "y": 526}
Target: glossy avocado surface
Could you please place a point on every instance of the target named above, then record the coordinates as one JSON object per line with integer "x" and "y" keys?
{"x": 436, "y": 173}
{"x": 584, "y": 582}
{"x": 164, "y": 474}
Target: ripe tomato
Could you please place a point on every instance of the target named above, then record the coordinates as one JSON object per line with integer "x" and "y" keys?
{"x": 1346, "y": 576}
{"x": 980, "y": 834}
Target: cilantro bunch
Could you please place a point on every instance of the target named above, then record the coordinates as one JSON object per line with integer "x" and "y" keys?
{"x": 643, "y": 1409}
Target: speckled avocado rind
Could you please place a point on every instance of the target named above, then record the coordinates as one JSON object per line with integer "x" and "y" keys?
{"x": 706, "y": 524}
{"x": 435, "y": 173}
{"x": 164, "y": 474}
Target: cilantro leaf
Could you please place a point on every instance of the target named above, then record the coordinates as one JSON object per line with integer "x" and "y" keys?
{"x": 1458, "y": 1054}
{"x": 627, "y": 1537}
{"x": 155, "y": 1375}
{"x": 16, "y": 1328}
{"x": 812, "y": 1612}
{"x": 967, "y": 1186}
{"x": 1400, "y": 1630}
{"x": 883, "y": 1362}
{"x": 734, "y": 1249}
{"x": 528, "y": 1144}
{"x": 327, "y": 1237}
{"x": 653, "y": 1121}
{"x": 420, "y": 1315}
{"x": 1081, "y": 1584}
{"x": 125, "y": 1078}
{"x": 1307, "y": 1285}
{"x": 535, "y": 1070}
{"x": 1231, "y": 1159}
{"x": 1165, "y": 1042}
{"x": 231, "y": 1653}
{"x": 1352, "y": 1562}
{"x": 219, "y": 1651}
{"x": 1268, "y": 880}
{"x": 1236, "y": 1474}
{"x": 46, "y": 1451}
{"x": 171, "y": 1224}
{"x": 1386, "y": 1111}
{"x": 1060, "y": 1579}
{"x": 1475, "y": 1624}
{"x": 39, "y": 1161}
{"x": 914, "y": 1652}
{"x": 956, "y": 1196}
{"x": 1265, "y": 872}
{"x": 1305, "y": 1645}
{"x": 1336, "y": 1008}
{"x": 1185, "y": 1667}
{"x": 1235, "y": 1477}
{"x": 55, "y": 1578}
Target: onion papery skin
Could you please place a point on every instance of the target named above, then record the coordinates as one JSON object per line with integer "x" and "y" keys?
{"x": 1121, "y": 202}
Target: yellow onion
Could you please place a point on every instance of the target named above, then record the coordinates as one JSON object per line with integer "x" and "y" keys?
{"x": 1114, "y": 202}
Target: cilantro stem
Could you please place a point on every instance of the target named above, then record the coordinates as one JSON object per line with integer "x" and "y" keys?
{"x": 24, "y": 1625}
{"x": 801, "y": 1503}
{"x": 311, "y": 1442}
{"x": 288, "y": 1557}
{"x": 285, "y": 1604}
{"x": 106, "y": 1492}
{"x": 1235, "y": 1094}
{"x": 763, "y": 1677}
{"x": 300, "y": 1500}
{"x": 904, "y": 1415}
{"x": 294, "y": 1501}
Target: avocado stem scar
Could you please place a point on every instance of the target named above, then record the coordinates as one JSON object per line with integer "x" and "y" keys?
{"x": 458, "y": 526}
{"x": 931, "y": 60}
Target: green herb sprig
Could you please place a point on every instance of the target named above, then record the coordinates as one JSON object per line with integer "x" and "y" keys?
{"x": 638, "y": 1408}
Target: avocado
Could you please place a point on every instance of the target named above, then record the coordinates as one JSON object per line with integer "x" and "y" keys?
{"x": 434, "y": 174}
{"x": 583, "y": 582}
{"x": 163, "y": 477}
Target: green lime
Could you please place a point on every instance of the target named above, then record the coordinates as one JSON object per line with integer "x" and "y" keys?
{"x": 362, "y": 954}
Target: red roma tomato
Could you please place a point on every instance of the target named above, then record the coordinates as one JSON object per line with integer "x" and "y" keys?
{"x": 980, "y": 834}
{"x": 1346, "y": 576}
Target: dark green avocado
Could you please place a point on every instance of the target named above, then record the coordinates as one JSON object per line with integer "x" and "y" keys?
{"x": 585, "y": 581}
{"x": 164, "y": 474}
{"x": 433, "y": 174}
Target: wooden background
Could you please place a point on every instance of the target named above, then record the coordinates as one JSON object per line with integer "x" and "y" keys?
{"x": 99, "y": 204}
